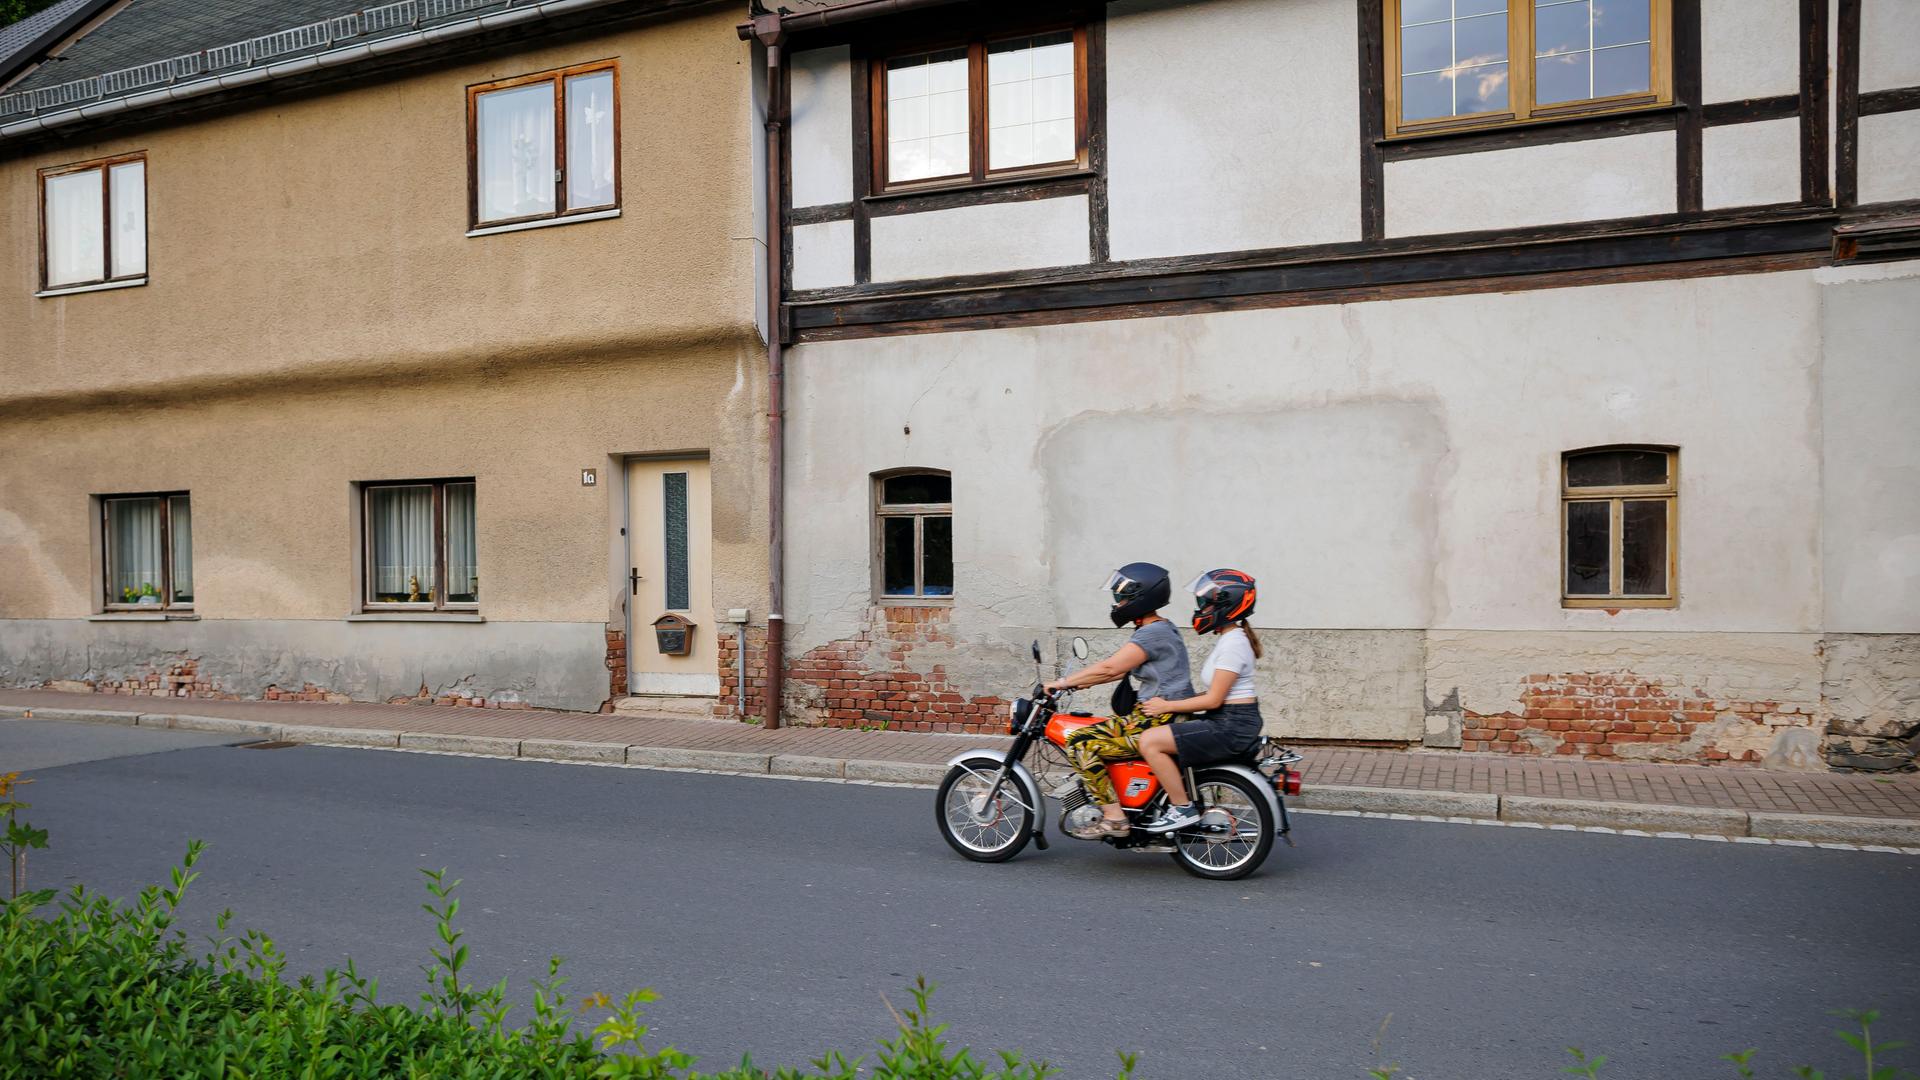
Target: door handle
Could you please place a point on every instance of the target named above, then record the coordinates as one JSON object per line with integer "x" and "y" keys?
{"x": 635, "y": 579}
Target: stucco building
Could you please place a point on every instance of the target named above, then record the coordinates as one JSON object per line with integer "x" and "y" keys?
{"x": 1551, "y": 364}
{"x": 406, "y": 352}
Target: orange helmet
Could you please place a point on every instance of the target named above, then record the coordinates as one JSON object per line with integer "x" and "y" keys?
{"x": 1223, "y": 597}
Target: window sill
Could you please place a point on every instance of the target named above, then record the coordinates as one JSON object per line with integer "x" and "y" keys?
{"x": 981, "y": 185}
{"x": 75, "y": 290}
{"x": 144, "y": 616}
{"x": 1617, "y": 603}
{"x": 545, "y": 223}
{"x": 1538, "y": 123}
{"x": 913, "y": 601}
{"x": 418, "y": 616}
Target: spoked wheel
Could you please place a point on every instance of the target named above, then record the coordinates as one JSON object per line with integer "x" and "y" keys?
{"x": 983, "y": 829}
{"x": 1240, "y": 848}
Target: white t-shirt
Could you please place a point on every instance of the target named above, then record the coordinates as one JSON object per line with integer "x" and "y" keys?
{"x": 1233, "y": 653}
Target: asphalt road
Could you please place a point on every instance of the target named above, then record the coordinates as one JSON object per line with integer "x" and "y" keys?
{"x": 773, "y": 916}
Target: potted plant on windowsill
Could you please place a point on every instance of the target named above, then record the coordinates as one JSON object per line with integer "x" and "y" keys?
{"x": 148, "y": 594}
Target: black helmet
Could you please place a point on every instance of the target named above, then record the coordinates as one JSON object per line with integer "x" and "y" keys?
{"x": 1223, "y": 597}
{"x": 1139, "y": 589}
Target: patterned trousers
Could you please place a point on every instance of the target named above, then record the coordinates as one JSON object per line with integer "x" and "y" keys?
{"x": 1116, "y": 738}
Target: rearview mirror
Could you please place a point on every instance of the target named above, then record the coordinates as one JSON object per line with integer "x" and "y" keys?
{"x": 1036, "y": 651}
{"x": 1079, "y": 648}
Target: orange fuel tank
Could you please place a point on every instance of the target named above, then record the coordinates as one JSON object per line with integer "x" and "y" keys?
{"x": 1062, "y": 725}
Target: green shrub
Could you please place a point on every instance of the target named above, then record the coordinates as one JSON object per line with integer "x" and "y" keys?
{"x": 103, "y": 989}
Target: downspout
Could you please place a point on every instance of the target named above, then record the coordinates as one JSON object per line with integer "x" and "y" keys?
{"x": 768, "y": 29}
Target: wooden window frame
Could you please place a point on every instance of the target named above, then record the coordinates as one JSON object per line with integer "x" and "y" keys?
{"x": 558, "y": 77}
{"x": 105, "y": 167}
{"x": 978, "y": 121}
{"x": 167, "y": 603}
{"x": 439, "y": 592}
{"x": 919, "y": 512}
{"x": 1522, "y": 110}
{"x": 1616, "y": 496}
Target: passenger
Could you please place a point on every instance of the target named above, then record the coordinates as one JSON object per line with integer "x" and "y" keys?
{"x": 1229, "y": 723}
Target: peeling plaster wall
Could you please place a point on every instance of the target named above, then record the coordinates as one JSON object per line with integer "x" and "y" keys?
{"x": 1386, "y": 469}
{"x": 1872, "y": 686}
{"x": 549, "y": 664}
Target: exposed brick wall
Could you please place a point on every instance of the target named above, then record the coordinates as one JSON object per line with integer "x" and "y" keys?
{"x": 616, "y": 668}
{"x": 727, "y": 706}
{"x": 179, "y": 678}
{"x": 876, "y": 679}
{"x": 1596, "y": 714}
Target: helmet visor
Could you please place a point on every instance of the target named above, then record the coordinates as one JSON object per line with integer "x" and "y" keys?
{"x": 1204, "y": 588}
{"x": 1120, "y": 585}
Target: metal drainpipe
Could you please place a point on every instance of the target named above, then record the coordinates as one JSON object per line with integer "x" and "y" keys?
{"x": 771, "y": 34}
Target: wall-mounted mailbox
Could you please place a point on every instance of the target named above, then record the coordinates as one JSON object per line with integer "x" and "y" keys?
{"x": 673, "y": 634}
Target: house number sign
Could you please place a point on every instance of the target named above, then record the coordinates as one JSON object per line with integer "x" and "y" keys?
{"x": 589, "y": 477}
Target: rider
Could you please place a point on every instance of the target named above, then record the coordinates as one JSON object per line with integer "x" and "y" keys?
{"x": 1156, "y": 656}
{"x": 1231, "y": 725}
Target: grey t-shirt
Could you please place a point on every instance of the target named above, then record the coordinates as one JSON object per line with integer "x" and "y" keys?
{"x": 1166, "y": 673}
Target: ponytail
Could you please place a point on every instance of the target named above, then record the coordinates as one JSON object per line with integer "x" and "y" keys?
{"x": 1252, "y": 639}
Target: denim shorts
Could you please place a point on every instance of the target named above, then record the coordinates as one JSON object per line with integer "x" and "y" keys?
{"x": 1228, "y": 732}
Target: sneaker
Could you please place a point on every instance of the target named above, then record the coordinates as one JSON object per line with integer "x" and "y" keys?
{"x": 1173, "y": 817}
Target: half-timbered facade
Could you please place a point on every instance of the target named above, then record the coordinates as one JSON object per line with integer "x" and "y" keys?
{"x": 1551, "y": 364}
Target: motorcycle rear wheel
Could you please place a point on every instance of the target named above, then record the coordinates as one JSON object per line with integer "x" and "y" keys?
{"x": 1251, "y": 837}
{"x": 992, "y": 834}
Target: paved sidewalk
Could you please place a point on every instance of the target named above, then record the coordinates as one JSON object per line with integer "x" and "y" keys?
{"x": 1733, "y": 801}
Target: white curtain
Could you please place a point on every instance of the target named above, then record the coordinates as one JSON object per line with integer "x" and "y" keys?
{"x": 402, "y": 527}
{"x": 129, "y": 194}
{"x": 180, "y": 528}
{"x": 75, "y": 218}
{"x": 515, "y": 150}
{"x": 133, "y": 533}
{"x": 590, "y": 146}
{"x": 463, "y": 565}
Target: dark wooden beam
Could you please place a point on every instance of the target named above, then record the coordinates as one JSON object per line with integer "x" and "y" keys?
{"x": 1750, "y": 110}
{"x": 862, "y": 166}
{"x": 1565, "y": 129}
{"x": 1846, "y": 76}
{"x": 819, "y": 215}
{"x": 1098, "y": 243}
{"x": 1687, "y": 167}
{"x": 1815, "y": 185}
{"x": 1373, "y": 120}
{"x": 1876, "y": 102}
{"x": 997, "y": 191}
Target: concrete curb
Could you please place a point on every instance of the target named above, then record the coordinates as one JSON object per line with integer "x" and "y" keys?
{"x": 1617, "y": 815}
{"x": 1401, "y": 801}
{"x": 488, "y": 745}
{"x": 1513, "y": 809}
{"x": 216, "y": 724}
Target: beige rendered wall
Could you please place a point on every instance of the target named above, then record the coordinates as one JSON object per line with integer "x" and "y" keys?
{"x": 326, "y": 236}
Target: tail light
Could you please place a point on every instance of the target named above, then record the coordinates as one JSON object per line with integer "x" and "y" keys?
{"x": 1291, "y": 783}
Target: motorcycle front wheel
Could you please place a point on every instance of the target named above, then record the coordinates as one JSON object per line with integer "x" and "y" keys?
{"x": 985, "y": 830}
{"x": 1239, "y": 851}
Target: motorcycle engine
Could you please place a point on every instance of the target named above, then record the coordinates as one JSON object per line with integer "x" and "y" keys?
{"x": 1082, "y": 822}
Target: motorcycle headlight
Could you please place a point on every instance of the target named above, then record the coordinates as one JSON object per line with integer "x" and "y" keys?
{"x": 1017, "y": 712}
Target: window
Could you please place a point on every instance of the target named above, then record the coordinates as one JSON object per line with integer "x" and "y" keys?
{"x": 986, "y": 109}
{"x": 1619, "y": 517}
{"x": 1474, "y": 63}
{"x": 419, "y": 546}
{"x": 913, "y": 537}
{"x": 93, "y": 223}
{"x": 148, "y": 551}
{"x": 545, "y": 146}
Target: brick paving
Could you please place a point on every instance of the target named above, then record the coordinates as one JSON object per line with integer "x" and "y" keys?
{"x": 1726, "y": 787}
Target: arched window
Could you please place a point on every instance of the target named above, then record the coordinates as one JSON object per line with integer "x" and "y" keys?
{"x": 913, "y": 537}
{"x": 1619, "y": 524}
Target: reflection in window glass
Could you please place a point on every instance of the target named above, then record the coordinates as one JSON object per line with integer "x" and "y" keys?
{"x": 1591, "y": 49}
{"x": 1588, "y": 548}
{"x": 463, "y": 561}
{"x": 1643, "y": 548}
{"x": 1030, "y": 106}
{"x": 590, "y": 140}
{"x": 937, "y": 558}
{"x": 133, "y": 551}
{"x": 927, "y": 123}
{"x": 400, "y": 522}
{"x": 896, "y": 556}
{"x": 128, "y": 190}
{"x": 180, "y": 542}
{"x": 74, "y": 245}
{"x": 1616, "y": 468}
{"x": 1453, "y": 58}
{"x": 514, "y": 147}
{"x": 917, "y": 488}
